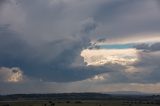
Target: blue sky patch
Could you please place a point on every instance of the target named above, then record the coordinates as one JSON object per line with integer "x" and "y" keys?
{"x": 117, "y": 46}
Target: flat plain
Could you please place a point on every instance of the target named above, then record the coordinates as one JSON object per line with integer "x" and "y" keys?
{"x": 78, "y": 103}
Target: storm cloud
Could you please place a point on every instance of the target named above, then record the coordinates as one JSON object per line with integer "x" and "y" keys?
{"x": 44, "y": 39}
{"x": 148, "y": 47}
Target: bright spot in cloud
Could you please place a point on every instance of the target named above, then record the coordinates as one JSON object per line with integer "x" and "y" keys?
{"x": 98, "y": 77}
{"x": 16, "y": 76}
{"x": 11, "y": 74}
{"x": 98, "y": 57}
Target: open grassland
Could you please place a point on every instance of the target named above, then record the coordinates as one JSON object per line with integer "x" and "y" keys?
{"x": 79, "y": 103}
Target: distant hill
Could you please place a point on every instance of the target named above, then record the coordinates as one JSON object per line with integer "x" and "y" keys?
{"x": 60, "y": 96}
{"x": 80, "y": 96}
{"x": 127, "y": 93}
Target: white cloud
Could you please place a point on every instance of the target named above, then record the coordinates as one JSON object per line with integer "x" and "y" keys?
{"x": 12, "y": 75}
{"x": 100, "y": 57}
{"x": 98, "y": 78}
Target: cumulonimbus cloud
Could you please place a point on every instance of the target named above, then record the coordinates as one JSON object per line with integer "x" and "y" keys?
{"x": 46, "y": 38}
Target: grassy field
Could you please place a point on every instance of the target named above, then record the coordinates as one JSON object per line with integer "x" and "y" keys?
{"x": 78, "y": 103}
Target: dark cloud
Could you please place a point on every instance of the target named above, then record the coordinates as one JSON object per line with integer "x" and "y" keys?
{"x": 51, "y": 62}
{"x": 88, "y": 25}
{"x": 125, "y": 18}
{"x": 44, "y": 38}
{"x": 148, "y": 47}
{"x": 2, "y": 1}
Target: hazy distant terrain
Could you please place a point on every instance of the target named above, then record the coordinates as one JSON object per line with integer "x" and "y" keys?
{"x": 57, "y": 46}
{"x": 79, "y": 99}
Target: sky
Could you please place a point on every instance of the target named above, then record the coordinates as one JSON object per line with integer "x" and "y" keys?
{"x": 62, "y": 46}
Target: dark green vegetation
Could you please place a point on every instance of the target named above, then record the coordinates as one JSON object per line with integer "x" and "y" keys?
{"x": 79, "y": 99}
